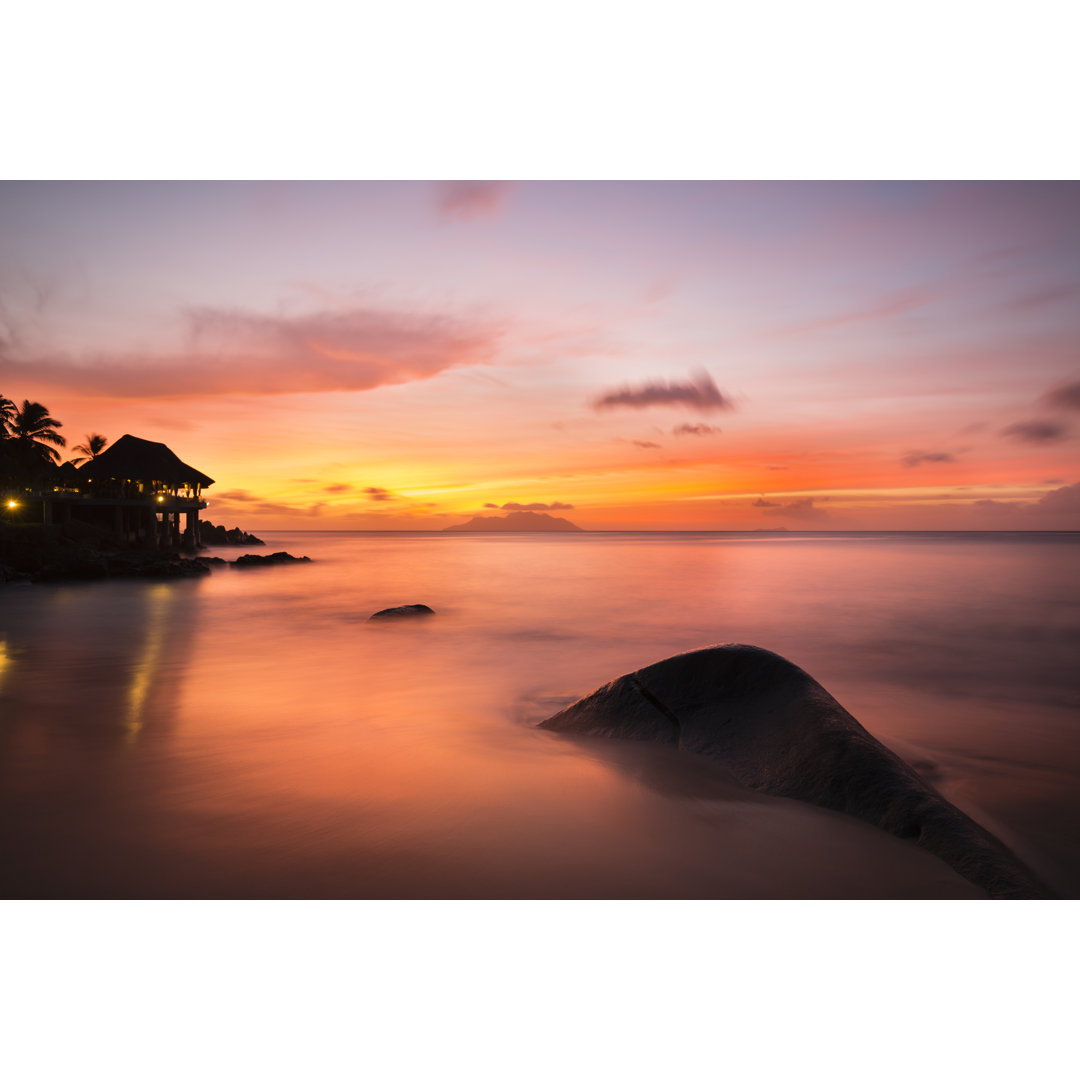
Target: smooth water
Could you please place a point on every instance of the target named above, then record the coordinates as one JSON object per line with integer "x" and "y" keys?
{"x": 250, "y": 734}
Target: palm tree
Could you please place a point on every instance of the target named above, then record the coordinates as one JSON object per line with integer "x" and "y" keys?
{"x": 7, "y": 415}
{"x": 90, "y": 449}
{"x": 34, "y": 430}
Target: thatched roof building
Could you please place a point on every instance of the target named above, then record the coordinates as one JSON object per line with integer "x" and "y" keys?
{"x": 131, "y": 458}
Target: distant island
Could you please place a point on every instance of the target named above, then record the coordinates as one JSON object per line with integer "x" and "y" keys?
{"x": 517, "y": 521}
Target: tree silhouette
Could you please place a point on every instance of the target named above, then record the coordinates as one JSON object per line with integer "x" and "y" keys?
{"x": 7, "y": 415}
{"x": 34, "y": 432}
{"x": 90, "y": 449}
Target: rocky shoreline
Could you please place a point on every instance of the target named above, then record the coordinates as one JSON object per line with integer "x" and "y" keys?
{"x": 77, "y": 552}
{"x": 211, "y": 535}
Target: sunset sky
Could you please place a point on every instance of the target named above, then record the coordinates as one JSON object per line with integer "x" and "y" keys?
{"x": 629, "y": 355}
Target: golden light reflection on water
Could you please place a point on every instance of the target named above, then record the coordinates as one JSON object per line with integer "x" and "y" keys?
{"x": 6, "y": 661}
{"x": 159, "y": 599}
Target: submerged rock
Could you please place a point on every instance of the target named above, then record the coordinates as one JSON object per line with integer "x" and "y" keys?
{"x": 780, "y": 732}
{"x": 247, "y": 561}
{"x": 404, "y": 611}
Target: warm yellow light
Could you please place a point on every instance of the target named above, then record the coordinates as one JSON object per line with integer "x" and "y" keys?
{"x": 161, "y": 498}
{"x": 12, "y": 504}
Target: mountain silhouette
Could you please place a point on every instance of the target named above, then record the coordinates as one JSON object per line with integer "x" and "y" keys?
{"x": 518, "y": 521}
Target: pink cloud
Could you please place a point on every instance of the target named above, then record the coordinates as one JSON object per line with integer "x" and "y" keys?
{"x": 232, "y": 351}
{"x": 1057, "y": 509}
{"x": 469, "y": 199}
{"x": 1063, "y": 500}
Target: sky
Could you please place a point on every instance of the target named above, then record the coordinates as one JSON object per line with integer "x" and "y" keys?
{"x": 627, "y": 355}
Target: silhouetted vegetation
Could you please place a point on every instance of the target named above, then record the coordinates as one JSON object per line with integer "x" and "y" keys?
{"x": 29, "y": 438}
{"x": 90, "y": 449}
{"x": 29, "y": 442}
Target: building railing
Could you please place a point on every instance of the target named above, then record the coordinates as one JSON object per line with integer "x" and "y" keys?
{"x": 163, "y": 500}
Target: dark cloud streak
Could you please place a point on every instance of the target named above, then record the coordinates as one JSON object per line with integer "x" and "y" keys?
{"x": 799, "y": 509}
{"x": 530, "y": 506}
{"x": 700, "y": 430}
{"x": 919, "y": 457}
{"x": 1066, "y": 396}
{"x": 1037, "y": 431}
{"x": 699, "y": 393}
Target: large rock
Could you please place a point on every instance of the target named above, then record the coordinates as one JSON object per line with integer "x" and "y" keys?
{"x": 780, "y": 732}
{"x": 403, "y": 611}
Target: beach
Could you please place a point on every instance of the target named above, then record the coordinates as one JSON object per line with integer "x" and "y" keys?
{"x": 252, "y": 735}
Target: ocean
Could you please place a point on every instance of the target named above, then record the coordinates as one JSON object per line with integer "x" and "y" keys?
{"x": 251, "y": 734}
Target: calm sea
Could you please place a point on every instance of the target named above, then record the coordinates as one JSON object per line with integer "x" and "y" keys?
{"x": 250, "y": 734}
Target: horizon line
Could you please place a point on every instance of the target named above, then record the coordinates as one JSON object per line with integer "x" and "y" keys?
{"x": 749, "y": 532}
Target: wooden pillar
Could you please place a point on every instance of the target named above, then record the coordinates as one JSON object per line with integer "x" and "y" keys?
{"x": 148, "y": 528}
{"x": 191, "y": 536}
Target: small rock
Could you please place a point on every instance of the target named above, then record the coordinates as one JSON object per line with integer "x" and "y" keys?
{"x": 246, "y": 561}
{"x": 405, "y": 611}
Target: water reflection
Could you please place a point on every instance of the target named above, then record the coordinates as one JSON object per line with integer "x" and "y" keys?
{"x": 96, "y": 671}
{"x": 7, "y": 659}
{"x": 149, "y": 668}
{"x": 99, "y": 662}
{"x": 253, "y": 735}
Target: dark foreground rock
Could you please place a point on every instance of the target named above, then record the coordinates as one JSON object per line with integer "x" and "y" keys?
{"x": 217, "y": 535}
{"x": 404, "y": 611}
{"x": 279, "y": 557}
{"x": 780, "y": 732}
